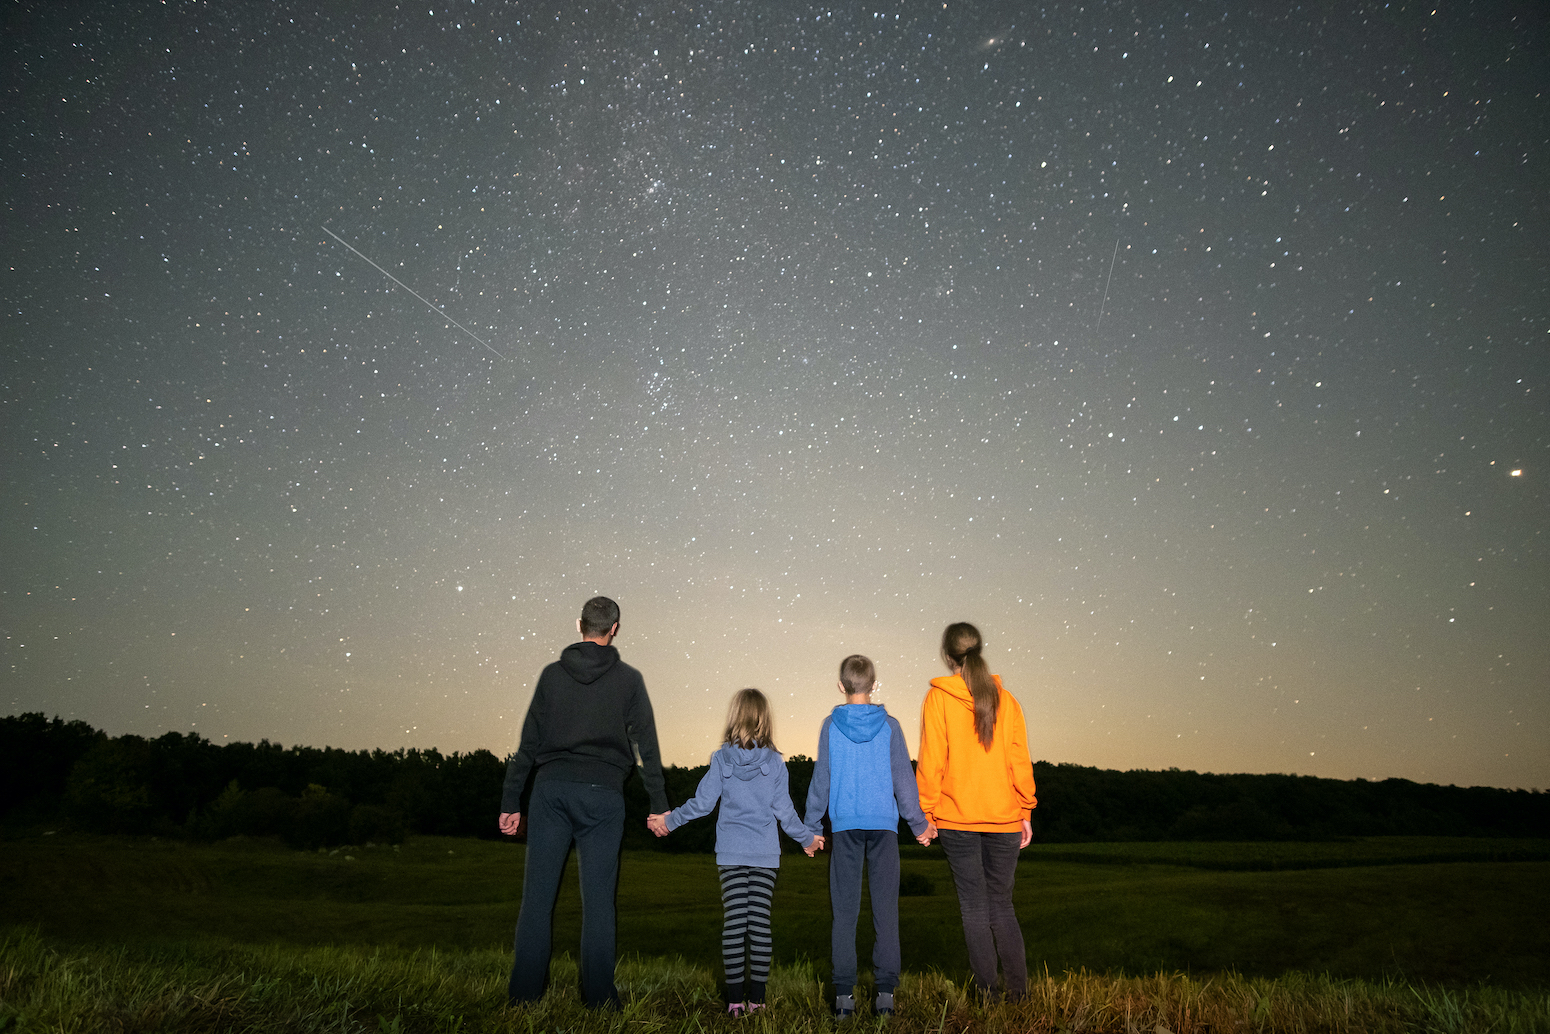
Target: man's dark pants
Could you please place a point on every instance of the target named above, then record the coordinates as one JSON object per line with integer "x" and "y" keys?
{"x": 592, "y": 816}
{"x": 879, "y": 848}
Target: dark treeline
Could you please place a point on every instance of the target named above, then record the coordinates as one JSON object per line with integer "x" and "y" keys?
{"x": 1077, "y": 803}
{"x": 183, "y": 785}
{"x": 54, "y": 772}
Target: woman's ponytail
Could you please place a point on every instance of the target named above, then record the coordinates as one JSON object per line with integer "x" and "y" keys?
{"x": 961, "y": 644}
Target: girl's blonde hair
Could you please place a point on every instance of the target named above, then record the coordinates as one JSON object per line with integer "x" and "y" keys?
{"x": 748, "y": 720}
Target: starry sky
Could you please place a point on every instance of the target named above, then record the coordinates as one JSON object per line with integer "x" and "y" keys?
{"x": 1195, "y": 351}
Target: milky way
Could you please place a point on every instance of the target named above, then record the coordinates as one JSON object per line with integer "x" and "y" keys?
{"x": 795, "y": 350}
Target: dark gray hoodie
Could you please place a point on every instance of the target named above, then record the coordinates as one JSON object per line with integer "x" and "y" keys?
{"x": 589, "y": 715}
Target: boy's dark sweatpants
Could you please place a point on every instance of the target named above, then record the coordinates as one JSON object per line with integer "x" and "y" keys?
{"x": 592, "y": 816}
{"x": 879, "y": 848}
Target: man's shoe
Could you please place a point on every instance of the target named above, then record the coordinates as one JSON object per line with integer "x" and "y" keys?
{"x": 844, "y": 1005}
{"x": 884, "y": 1005}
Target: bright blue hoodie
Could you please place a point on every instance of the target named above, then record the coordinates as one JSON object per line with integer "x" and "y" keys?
{"x": 755, "y": 792}
{"x": 862, "y": 777}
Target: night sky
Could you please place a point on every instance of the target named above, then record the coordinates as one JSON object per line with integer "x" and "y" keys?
{"x": 1197, "y": 352}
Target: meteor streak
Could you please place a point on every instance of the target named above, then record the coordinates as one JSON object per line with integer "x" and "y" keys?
{"x": 412, "y": 291}
{"x": 1101, "y": 304}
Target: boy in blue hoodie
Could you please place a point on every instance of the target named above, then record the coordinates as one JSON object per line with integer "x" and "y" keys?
{"x": 863, "y": 779}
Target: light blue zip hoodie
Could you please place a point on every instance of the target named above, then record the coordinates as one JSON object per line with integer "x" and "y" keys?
{"x": 754, "y": 791}
{"x": 862, "y": 777}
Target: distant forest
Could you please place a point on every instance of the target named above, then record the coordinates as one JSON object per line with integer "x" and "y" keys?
{"x": 58, "y": 774}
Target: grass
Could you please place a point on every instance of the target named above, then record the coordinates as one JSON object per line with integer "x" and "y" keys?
{"x": 1443, "y": 922}
{"x": 1263, "y": 856}
{"x": 358, "y": 988}
{"x": 137, "y": 934}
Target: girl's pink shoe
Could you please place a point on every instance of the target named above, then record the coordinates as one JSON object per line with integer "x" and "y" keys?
{"x": 735, "y": 1010}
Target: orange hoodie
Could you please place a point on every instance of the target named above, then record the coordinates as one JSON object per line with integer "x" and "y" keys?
{"x": 963, "y": 785}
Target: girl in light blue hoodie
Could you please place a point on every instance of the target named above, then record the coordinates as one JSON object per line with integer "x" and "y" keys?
{"x": 748, "y": 776}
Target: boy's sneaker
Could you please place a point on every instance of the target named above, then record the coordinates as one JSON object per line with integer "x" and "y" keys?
{"x": 884, "y": 1005}
{"x": 844, "y": 1005}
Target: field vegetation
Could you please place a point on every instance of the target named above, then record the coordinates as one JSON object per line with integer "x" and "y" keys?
{"x": 255, "y": 887}
{"x": 1409, "y": 934}
{"x": 201, "y": 987}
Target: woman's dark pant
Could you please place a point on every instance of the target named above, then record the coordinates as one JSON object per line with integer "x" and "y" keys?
{"x": 984, "y": 867}
{"x": 592, "y": 817}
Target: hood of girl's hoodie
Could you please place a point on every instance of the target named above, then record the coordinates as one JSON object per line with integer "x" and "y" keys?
{"x": 751, "y": 762}
{"x": 955, "y": 687}
{"x": 860, "y": 722}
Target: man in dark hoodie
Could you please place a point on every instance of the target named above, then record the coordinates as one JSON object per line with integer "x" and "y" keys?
{"x": 589, "y": 716}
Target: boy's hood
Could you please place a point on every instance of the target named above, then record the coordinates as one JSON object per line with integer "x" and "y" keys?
{"x": 860, "y": 723}
{"x": 751, "y": 762}
{"x": 955, "y": 687}
{"x": 587, "y": 662}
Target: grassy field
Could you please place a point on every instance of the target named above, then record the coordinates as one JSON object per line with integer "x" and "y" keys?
{"x": 195, "y": 987}
{"x": 1261, "y": 856}
{"x": 1374, "y": 919}
{"x": 1435, "y": 921}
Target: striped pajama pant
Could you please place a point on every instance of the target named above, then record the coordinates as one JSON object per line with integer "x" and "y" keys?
{"x": 745, "y": 905}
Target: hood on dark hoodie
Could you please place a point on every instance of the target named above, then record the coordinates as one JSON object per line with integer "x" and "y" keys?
{"x": 751, "y": 762}
{"x": 860, "y": 723}
{"x": 587, "y": 662}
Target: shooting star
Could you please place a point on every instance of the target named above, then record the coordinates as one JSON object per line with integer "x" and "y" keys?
{"x": 412, "y": 291}
{"x": 1101, "y": 304}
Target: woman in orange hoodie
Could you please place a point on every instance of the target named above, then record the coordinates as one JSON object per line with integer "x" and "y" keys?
{"x": 976, "y": 788}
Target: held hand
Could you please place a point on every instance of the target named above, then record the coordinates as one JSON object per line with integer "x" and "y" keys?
{"x": 925, "y": 838}
{"x": 510, "y": 822}
{"x": 813, "y": 846}
{"x": 1027, "y": 835}
{"x": 658, "y": 823}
